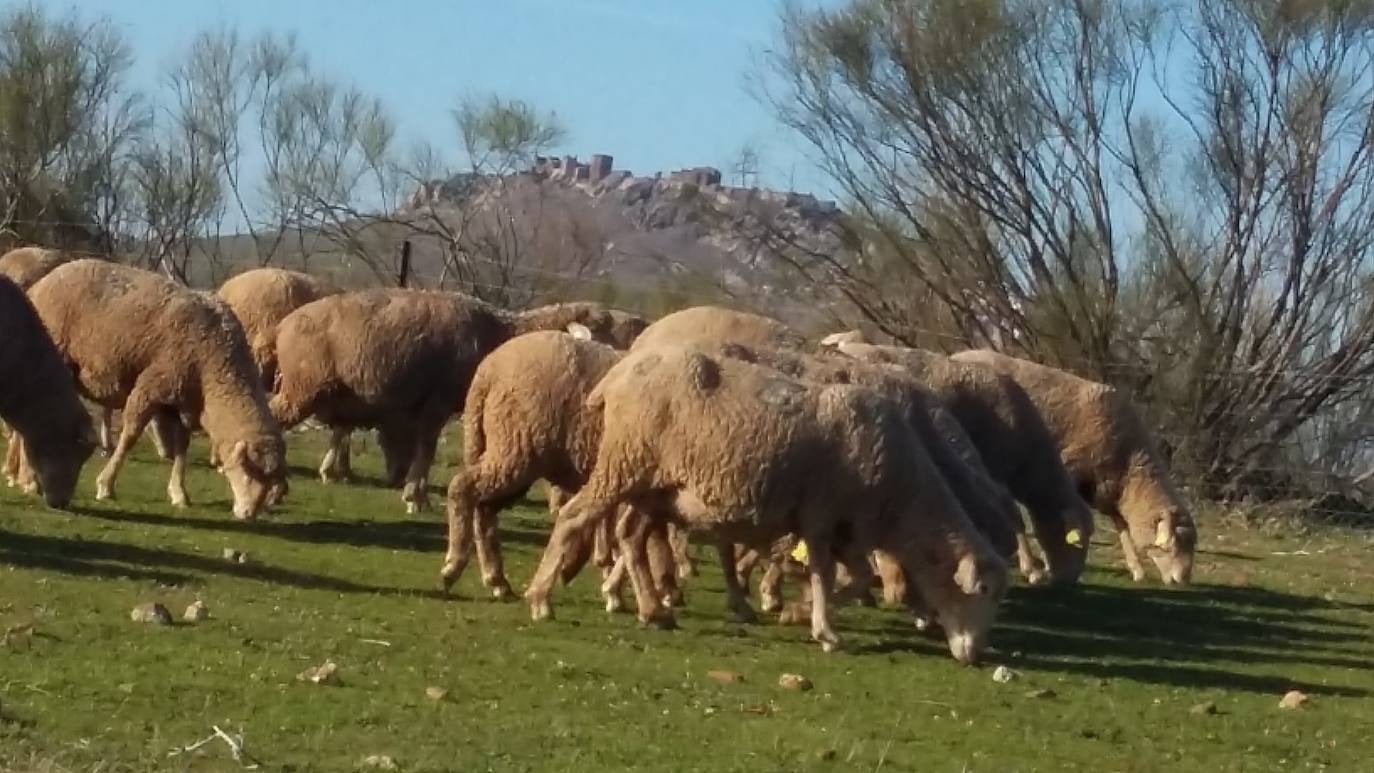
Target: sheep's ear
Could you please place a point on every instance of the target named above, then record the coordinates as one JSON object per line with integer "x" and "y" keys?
{"x": 966, "y": 575}
{"x": 1164, "y": 534}
{"x": 579, "y": 331}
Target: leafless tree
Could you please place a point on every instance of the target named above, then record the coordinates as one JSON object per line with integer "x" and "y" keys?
{"x": 1170, "y": 196}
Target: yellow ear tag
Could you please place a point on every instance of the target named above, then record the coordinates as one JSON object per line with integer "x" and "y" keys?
{"x": 799, "y": 552}
{"x": 1074, "y": 537}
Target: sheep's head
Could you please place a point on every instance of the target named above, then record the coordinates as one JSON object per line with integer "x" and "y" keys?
{"x": 964, "y": 600}
{"x": 56, "y": 460}
{"x": 256, "y": 471}
{"x": 1173, "y": 546}
{"x": 1065, "y": 542}
{"x": 608, "y": 326}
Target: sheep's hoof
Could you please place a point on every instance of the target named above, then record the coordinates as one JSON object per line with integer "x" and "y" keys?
{"x": 829, "y": 642}
{"x": 1137, "y": 574}
{"x": 686, "y": 571}
{"x": 178, "y": 501}
{"x": 769, "y": 603}
{"x": 744, "y": 614}
{"x": 1037, "y": 577}
{"x": 103, "y": 492}
{"x": 448, "y": 576}
{"x": 501, "y": 590}
{"x": 795, "y": 614}
{"x": 673, "y": 598}
{"x": 661, "y": 621}
{"x": 921, "y": 622}
{"x": 614, "y": 603}
{"x": 540, "y": 610}
{"x": 30, "y": 488}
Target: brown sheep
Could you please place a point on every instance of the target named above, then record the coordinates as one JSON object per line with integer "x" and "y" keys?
{"x": 1013, "y": 440}
{"x": 174, "y": 352}
{"x": 987, "y": 503}
{"x": 749, "y": 454}
{"x": 1113, "y": 460}
{"x": 401, "y": 361}
{"x": 25, "y": 266}
{"x": 713, "y": 325}
{"x": 39, "y": 401}
{"x": 261, "y": 298}
{"x": 524, "y": 419}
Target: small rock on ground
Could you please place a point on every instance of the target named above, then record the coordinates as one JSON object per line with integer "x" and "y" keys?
{"x": 380, "y": 762}
{"x": 794, "y": 682}
{"x": 436, "y": 693}
{"x": 153, "y": 613}
{"x": 1203, "y": 709}
{"x": 725, "y": 677}
{"x": 196, "y": 612}
{"x": 1002, "y": 675}
{"x": 1040, "y": 694}
{"x": 325, "y": 674}
{"x": 1293, "y": 699}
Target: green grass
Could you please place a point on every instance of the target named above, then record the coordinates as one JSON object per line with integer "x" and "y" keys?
{"x": 339, "y": 569}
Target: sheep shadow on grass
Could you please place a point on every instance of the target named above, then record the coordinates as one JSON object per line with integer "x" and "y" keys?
{"x": 114, "y": 560}
{"x": 1183, "y": 637}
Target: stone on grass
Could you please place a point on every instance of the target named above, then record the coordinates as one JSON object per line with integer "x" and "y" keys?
{"x": 725, "y": 677}
{"x": 1203, "y": 709}
{"x": 152, "y": 612}
{"x": 197, "y": 612}
{"x": 1002, "y": 675}
{"x": 794, "y": 682}
{"x": 436, "y": 694}
{"x": 1293, "y": 699}
{"x": 325, "y": 674}
{"x": 380, "y": 762}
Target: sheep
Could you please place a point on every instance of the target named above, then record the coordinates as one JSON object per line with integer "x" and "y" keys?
{"x": 1013, "y": 440}
{"x": 1112, "y": 458}
{"x": 987, "y": 503}
{"x": 748, "y": 454}
{"x": 525, "y": 419}
{"x": 261, "y": 298}
{"x": 714, "y": 325}
{"x": 399, "y": 360}
{"x": 140, "y": 342}
{"x": 39, "y": 402}
{"x": 24, "y": 266}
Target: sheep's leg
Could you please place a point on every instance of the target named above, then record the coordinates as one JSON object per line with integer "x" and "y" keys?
{"x": 662, "y": 564}
{"x": 614, "y": 568}
{"x": 476, "y": 495}
{"x": 1129, "y": 551}
{"x": 416, "y": 491}
{"x": 682, "y": 551}
{"x": 331, "y": 466}
{"x": 581, "y": 513}
{"x": 341, "y": 443}
{"x": 821, "y": 563}
{"x": 178, "y": 440}
{"x": 138, "y": 411}
{"x": 12, "y": 458}
{"x": 770, "y": 585}
{"x": 860, "y": 579}
{"x": 745, "y": 565}
{"x": 164, "y": 434}
{"x": 397, "y": 443}
{"x": 632, "y": 534}
{"x": 1032, "y": 568}
{"x": 736, "y": 596}
{"x": 107, "y": 438}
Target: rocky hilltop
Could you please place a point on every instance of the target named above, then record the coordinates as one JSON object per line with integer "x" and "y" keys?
{"x": 686, "y": 222}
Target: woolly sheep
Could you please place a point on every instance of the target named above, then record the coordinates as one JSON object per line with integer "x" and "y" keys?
{"x": 525, "y": 419}
{"x": 713, "y": 325}
{"x": 1113, "y": 460}
{"x": 399, "y": 360}
{"x": 1013, "y": 440}
{"x": 749, "y": 454}
{"x": 140, "y": 342}
{"x": 39, "y": 401}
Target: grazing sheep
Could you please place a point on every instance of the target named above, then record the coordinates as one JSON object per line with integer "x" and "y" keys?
{"x": 749, "y": 454}
{"x": 524, "y": 419}
{"x": 39, "y": 402}
{"x": 261, "y": 298}
{"x": 26, "y": 265}
{"x": 713, "y": 325}
{"x": 1113, "y": 460}
{"x": 399, "y": 360}
{"x": 1015, "y": 444}
{"x": 140, "y": 342}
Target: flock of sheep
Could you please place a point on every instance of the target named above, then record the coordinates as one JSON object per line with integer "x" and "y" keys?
{"x": 838, "y": 461}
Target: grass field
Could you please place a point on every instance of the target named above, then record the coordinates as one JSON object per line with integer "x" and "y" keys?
{"x": 340, "y": 573}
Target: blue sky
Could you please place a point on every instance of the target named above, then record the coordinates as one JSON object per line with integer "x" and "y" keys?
{"x": 657, "y": 83}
